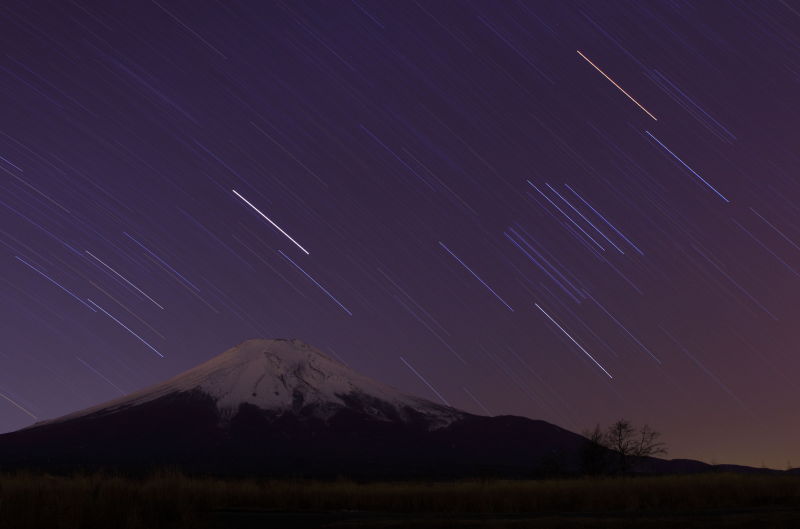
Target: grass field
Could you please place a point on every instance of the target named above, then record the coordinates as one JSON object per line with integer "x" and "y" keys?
{"x": 175, "y": 500}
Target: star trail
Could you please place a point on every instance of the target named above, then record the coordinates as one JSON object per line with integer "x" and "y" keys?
{"x": 479, "y": 189}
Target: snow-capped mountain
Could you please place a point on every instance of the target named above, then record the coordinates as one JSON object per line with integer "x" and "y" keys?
{"x": 283, "y": 376}
{"x": 281, "y": 407}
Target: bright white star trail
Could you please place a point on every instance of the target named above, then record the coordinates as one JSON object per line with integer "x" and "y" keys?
{"x": 568, "y": 335}
{"x": 270, "y": 221}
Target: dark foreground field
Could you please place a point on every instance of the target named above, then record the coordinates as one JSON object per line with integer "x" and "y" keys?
{"x": 175, "y": 500}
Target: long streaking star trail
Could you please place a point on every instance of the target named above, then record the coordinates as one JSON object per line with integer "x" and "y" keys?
{"x": 720, "y": 195}
{"x": 476, "y": 276}
{"x": 14, "y": 403}
{"x": 430, "y": 386}
{"x": 123, "y": 278}
{"x": 270, "y": 221}
{"x": 573, "y": 340}
{"x": 616, "y": 85}
{"x": 126, "y": 328}
{"x": 316, "y": 283}
{"x": 56, "y": 283}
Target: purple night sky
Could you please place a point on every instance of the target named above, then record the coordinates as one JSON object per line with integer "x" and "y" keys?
{"x": 473, "y": 195}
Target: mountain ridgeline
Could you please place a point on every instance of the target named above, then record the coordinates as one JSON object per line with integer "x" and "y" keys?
{"x": 283, "y": 408}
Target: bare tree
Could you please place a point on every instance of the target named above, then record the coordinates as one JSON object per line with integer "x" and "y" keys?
{"x": 627, "y": 443}
{"x": 648, "y": 443}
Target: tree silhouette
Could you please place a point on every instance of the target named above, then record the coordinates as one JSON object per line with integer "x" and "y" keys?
{"x": 626, "y": 444}
{"x": 630, "y": 444}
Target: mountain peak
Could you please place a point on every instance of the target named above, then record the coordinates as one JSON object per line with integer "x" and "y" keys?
{"x": 289, "y": 349}
{"x": 273, "y": 374}
{"x": 281, "y": 375}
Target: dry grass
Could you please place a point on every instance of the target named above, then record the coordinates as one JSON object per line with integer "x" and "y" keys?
{"x": 175, "y": 500}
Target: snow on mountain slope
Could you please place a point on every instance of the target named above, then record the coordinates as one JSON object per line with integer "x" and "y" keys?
{"x": 280, "y": 375}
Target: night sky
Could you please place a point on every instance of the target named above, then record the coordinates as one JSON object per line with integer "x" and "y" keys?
{"x": 572, "y": 211}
